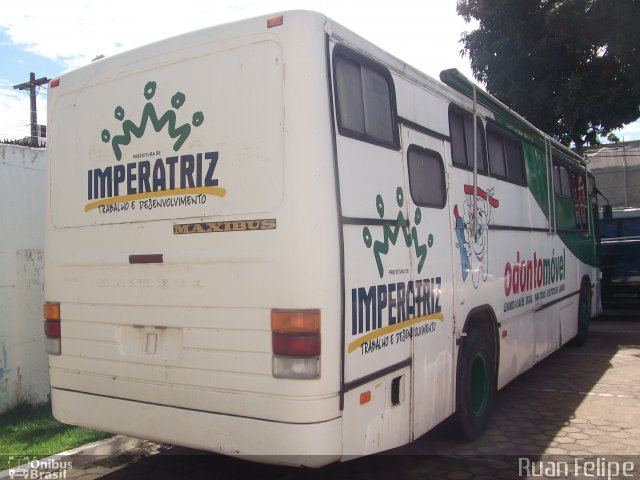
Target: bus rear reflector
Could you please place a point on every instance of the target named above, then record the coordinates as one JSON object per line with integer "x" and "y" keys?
{"x": 365, "y": 397}
{"x": 52, "y": 328}
{"x": 295, "y": 339}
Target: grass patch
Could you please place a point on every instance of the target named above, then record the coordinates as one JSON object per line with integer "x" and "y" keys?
{"x": 28, "y": 432}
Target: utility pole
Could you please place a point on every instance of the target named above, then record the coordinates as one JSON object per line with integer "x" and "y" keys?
{"x": 31, "y": 86}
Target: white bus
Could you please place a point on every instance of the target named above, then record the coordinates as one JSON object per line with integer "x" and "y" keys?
{"x": 270, "y": 239}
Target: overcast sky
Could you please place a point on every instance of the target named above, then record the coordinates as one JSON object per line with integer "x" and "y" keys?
{"x": 49, "y": 37}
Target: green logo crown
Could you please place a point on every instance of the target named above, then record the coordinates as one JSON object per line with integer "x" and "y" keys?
{"x": 180, "y": 133}
{"x": 390, "y": 236}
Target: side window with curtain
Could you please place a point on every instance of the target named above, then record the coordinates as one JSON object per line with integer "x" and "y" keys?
{"x": 497, "y": 161}
{"x": 365, "y": 99}
{"x": 461, "y": 130}
{"x": 557, "y": 184}
{"x": 580, "y": 196}
{"x": 563, "y": 181}
{"x": 426, "y": 177}
{"x": 506, "y": 159}
{"x": 570, "y": 184}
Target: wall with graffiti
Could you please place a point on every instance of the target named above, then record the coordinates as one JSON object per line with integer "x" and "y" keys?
{"x": 23, "y": 361}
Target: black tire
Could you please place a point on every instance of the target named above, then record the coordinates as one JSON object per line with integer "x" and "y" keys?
{"x": 584, "y": 315}
{"x": 475, "y": 386}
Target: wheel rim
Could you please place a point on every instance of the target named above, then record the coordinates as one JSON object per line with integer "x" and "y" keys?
{"x": 479, "y": 385}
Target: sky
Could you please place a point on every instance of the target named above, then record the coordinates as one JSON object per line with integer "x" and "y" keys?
{"x": 50, "y": 37}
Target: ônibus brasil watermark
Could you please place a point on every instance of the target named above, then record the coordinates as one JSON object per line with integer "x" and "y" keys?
{"x": 45, "y": 469}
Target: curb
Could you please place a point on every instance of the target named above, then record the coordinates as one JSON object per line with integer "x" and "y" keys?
{"x": 108, "y": 446}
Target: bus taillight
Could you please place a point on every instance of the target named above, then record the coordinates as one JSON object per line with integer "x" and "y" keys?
{"x": 295, "y": 338}
{"x": 296, "y": 344}
{"x": 52, "y": 327}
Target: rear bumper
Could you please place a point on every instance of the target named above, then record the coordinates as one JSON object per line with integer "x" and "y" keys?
{"x": 312, "y": 444}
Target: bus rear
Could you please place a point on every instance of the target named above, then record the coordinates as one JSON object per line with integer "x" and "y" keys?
{"x": 192, "y": 255}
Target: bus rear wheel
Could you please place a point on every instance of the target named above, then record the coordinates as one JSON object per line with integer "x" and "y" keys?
{"x": 475, "y": 386}
{"x": 584, "y": 315}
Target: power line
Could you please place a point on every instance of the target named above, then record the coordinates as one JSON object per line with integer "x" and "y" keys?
{"x": 31, "y": 86}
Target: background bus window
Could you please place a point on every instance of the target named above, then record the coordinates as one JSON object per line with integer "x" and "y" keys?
{"x": 620, "y": 256}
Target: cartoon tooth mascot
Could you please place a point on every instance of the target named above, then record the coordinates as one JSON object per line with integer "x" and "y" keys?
{"x": 474, "y": 248}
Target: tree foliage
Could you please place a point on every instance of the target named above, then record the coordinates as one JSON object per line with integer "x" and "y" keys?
{"x": 571, "y": 67}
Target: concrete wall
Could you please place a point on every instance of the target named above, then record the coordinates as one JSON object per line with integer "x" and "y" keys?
{"x": 23, "y": 360}
{"x": 616, "y": 167}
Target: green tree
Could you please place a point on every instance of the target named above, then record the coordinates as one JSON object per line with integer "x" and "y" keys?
{"x": 571, "y": 67}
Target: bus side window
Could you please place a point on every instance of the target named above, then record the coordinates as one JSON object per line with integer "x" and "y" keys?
{"x": 506, "y": 159}
{"x": 570, "y": 184}
{"x": 515, "y": 161}
{"x": 426, "y": 177}
{"x": 565, "y": 180}
{"x": 496, "y": 155}
{"x": 562, "y": 181}
{"x": 461, "y": 128}
{"x": 579, "y": 194}
{"x": 365, "y": 99}
{"x": 557, "y": 185}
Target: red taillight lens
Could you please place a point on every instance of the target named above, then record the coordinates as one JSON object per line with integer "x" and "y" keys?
{"x": 296, "y": 344}
{"x": 52, "y": 328}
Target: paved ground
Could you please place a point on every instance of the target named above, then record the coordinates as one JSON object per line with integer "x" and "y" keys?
{"x": 577, "y": 403}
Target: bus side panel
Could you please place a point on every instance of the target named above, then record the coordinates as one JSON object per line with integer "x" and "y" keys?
{"x": 431, "y": 305}
{"x": 377, "y": 269}
{"x": 378, "y": 424}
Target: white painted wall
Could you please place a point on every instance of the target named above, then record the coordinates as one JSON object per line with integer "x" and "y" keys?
{"x": 23, "y": 360}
